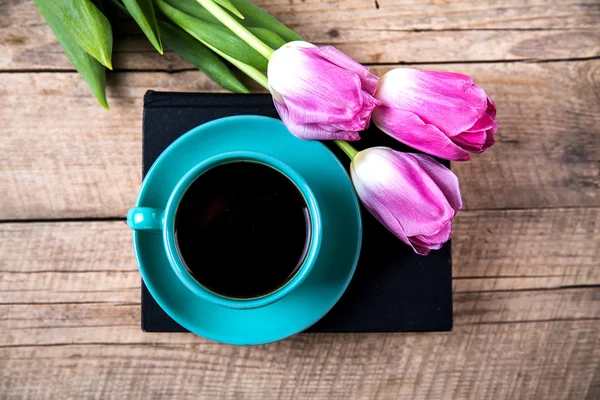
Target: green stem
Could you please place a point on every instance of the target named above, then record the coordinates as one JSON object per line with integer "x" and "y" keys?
{"x": 245, "y": 68}
{"x": 237, "y": 28}
{"x": 347, "y": 148}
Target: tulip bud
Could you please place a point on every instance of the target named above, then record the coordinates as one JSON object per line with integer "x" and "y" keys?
{"x": 440, "y": 113}
{"x": 412, "y": 195}
{"x": 320, "y": 93}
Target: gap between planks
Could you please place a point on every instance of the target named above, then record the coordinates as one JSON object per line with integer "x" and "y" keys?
{"x": 123, "y": 219}
{"x": 386, "y": 64}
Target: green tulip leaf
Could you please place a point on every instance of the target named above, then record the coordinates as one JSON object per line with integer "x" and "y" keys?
{"x": 217, "y": 36}
{"x": 256, "y": 16}
{"x": 86, "y": 25}
{"x": 194, "y": 9}
{"x": 92, "y": 72}
{"x": 228, "y": 5}
{"x": 261, "y": 28}
{"x": 270, "y": 38}
{"x": 142, "y": 12}
{"x": 200, "y": 56}
{"x": 120, "y": 6}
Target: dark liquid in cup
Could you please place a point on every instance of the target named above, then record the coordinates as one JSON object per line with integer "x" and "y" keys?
{"x": 242, "y": 229}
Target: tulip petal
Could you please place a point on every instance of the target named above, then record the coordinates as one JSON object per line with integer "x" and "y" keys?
{"x": 484, "y": 123}
{"x": 480, "y": 136}
{"x": 489, "y": 141}
{"x": 420, "y": 250}
{"x": 450, "y": 101}
{"x": 397, "y": 181}
{"x": 435, "y": 241}
{"x": 313, "y": 131}
{"x": 333, "y": 55}
{"x": 361, "y": 121}
{"x": 379, "y": 211}
{"x": 322, "y": 100}
{"x": 387, "y": 219}
{"x": 443, "y": 177}
{"x": 471, "y": 141}
{"x": 320, "y": 92}
{"x": 412, "y": 195}
{"x": 491, "y": 109}
{"x": 409, "y": 129}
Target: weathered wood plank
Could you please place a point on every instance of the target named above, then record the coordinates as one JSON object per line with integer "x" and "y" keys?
{"x": 414, "y": 31}
{"x": 401, "y": 14}
{"x": 543, "y": 360}
{"x": 91, "y": 156}
{"x": 391, "y": 46}
{"x": 528, "y": 343}
{"x": 57, "y": 274}
{"x": 552, "y": 248}
{"x": 437, "y": 15}
{"x": 25, "y": 322}
{"x": 494, "y": 252}
{"x": 87, "y": 163}
{"x": 527, "y": 312}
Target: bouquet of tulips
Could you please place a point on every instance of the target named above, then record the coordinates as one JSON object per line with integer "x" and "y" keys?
{"x": 320, "y": 94}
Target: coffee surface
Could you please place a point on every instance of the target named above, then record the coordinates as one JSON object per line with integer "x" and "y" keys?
{"x": 242, "y": 229}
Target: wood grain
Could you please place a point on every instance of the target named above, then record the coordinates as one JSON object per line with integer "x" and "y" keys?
{"x": 37, "y": 322}
{"x": 494, "y": 252}
{"x": 542, "y": 360}
{"x": 526, "y": 250}
{"x": 69, "y": 324}
{"x": 70, "y": 265}
{"x": 87, "y": 163}
{"x": 437, "y": 15}
{"x": 411, "y": 31}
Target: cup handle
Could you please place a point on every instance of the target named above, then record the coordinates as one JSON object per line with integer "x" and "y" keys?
{"x": 145, "y": 219}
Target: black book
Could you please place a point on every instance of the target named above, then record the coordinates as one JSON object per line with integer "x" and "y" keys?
{"x": 393, "y": 289}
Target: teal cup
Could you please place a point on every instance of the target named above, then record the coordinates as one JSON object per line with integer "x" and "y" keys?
{"x": 163, "y": 220}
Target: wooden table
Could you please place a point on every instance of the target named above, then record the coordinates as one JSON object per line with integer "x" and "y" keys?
{"x": 527, "y": 245}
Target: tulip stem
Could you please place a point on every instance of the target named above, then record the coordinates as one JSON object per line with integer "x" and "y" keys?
{"x": 347, "y": 148}
{"x": 245, "y": 68}
{"x": 236, "y": 28}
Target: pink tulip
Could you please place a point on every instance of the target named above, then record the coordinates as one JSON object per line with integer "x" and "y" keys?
{"x": 413, "y": 195}
{"x": 440, "y": 113}
{"x": 320, "y": 93}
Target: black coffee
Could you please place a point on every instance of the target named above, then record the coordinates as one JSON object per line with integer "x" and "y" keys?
{"x": 242, "y": 229}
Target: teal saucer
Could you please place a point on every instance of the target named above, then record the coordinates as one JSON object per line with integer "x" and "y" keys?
{"x": 330, "y": 275}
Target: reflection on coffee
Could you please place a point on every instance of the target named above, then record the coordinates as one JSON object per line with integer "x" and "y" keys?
{"x": 243, "y": 229}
